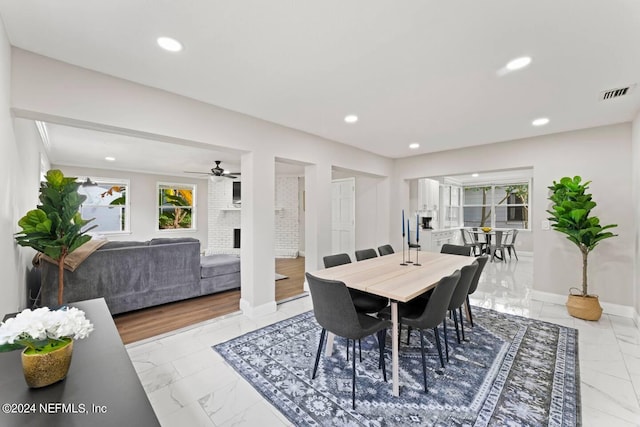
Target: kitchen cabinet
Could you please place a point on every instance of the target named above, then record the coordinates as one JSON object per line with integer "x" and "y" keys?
{"x": 432, "y": 240}
{"x": 451, "y": 205}
{"x": 428, "y": 196}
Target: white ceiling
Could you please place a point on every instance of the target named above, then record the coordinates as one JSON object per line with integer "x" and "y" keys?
{"x": 422, "y": 71}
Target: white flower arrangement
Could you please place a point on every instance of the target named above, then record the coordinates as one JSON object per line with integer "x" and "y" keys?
{"x": 43, "y": 330}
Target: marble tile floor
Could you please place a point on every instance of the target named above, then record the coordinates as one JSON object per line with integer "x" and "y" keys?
{"x": 190, "y": 384}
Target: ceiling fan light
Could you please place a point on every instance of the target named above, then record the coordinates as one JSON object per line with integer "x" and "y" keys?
{"x": 216, "y": 178}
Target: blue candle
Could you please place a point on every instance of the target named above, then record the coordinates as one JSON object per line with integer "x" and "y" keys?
{"x": 417, "y": 228}
{"x": 403, "y": 222}
{"x": 408, "y": 232}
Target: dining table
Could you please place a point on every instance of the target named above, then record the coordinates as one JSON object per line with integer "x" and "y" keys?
{"x": 386, "y": 276}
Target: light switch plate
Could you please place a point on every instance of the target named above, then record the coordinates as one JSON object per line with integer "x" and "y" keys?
{"x": 545, "y": 224}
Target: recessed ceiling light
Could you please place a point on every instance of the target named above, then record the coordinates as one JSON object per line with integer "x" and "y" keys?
{"x": 540, "y": 122}
{"x": 110, "y": 159}
{"x": 167, "y": 43}
{"x": 351, "y": 118}
{"x": 414, "y": 145}
{"x": 475, "y": 175}
{"x": 518, "y": 63}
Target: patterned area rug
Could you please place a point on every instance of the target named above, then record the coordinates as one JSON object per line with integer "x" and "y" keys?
{"x": 511, "y": 371}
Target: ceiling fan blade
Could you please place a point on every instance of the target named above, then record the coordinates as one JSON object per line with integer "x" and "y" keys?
{"x": 201, "y": 173}
{"x": 229, "y": 176}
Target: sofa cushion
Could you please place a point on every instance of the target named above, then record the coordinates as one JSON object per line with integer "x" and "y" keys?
{"x": 170, "y": 240}
{"x": 122, "y": 244}
{"x": 217, "y": 265}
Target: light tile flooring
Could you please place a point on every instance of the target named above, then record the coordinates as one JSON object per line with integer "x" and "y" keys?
{"x": 189, "y": 384}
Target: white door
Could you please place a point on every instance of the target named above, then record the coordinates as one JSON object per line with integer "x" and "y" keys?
{"x": 343, "y": 216}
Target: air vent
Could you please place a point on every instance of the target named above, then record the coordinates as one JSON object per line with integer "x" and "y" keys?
{"x": 616, "y": 93}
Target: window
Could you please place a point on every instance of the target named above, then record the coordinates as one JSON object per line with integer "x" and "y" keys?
{"x": 176, "y": 206}
{"x": 497, "y": 205}
{"x": 107, "y": 202}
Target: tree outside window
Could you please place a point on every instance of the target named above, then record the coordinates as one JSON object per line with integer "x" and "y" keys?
{"x": 176, "y": 208}
{"x": 107, "y": 202}
{"x": 497, "y": 205}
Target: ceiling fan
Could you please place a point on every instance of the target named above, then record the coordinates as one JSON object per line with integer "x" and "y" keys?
{"x": 218, "y": 172}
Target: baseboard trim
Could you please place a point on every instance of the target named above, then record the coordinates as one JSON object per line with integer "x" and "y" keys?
{"x": 253, "y": 312}
{"x": 607, "y": 307}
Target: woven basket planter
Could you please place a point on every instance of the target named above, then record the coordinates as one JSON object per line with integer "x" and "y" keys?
{"x": 584, "y": 307}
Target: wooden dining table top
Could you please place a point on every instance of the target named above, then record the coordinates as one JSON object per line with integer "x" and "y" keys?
{"x": 384, "y": 276}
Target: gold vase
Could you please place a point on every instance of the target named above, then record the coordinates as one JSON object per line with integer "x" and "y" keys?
{"x": 41, "y": 370}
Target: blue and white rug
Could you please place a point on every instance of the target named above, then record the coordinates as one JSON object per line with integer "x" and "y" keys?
{"x": 511, "y": 371}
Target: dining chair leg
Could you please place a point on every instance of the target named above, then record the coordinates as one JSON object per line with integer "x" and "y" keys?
{"x": 446, "y": 340}
{"x": 424, "y": 363}
{"x": 348, "y": 345}
{"x": 437, "y": 335}
{"x": 353, "y": 377}
{"x": 455, "y": 322}
{"x": 515, "y": 253}
{"x": 408, "y": 334}
{"x": 360, "y": 349}
{"x": 315, "y": 367}
{"x": 461, "y": 322}
{"x": 381, "y": 336}
{"x": 469, "y": 312}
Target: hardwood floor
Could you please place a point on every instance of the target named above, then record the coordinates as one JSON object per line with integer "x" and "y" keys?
{"x": 146, "y": 323}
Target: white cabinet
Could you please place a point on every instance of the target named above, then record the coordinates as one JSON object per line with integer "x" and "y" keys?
{"x": 428, "y": 195}
{"x": 450, "y": 205}
{"x": 434, "y": 239}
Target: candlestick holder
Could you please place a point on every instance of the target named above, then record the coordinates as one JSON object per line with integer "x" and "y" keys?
{"x": 417, "y": 264}
{"x": 409, "y": 251}
{"x": 403, "y": 262}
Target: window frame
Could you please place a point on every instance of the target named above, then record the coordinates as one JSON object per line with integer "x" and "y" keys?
{"x": 176, "y": 186}
{"x": 493, "y": 204}
{"x": 126, "y": 208}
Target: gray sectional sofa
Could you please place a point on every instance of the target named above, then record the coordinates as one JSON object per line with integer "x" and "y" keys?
{"x": 134, "y": 275}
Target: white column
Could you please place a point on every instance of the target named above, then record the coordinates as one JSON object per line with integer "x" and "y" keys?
{"x": 317, "y": 215}
{"x": 257, "y": 252}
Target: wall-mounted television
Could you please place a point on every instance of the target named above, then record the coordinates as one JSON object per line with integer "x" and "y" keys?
{"x": 236, "y": 192}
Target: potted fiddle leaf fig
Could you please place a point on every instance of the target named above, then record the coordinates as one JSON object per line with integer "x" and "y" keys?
{"x": 55, "y": 227}
{"x": 571, "y": 215}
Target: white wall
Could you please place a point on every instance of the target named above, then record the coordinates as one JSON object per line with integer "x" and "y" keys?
{"x": 602, "y": 155}
{"x": 143, "y": 203}
{"x": 62, "y": 93}
{"x": 635, "y": 165}
{"x": 20, "y": 175}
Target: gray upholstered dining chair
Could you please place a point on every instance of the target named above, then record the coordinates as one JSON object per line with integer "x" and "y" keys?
{"x": 334, "y": 311}
{"x": 364, "y": 302}
{"x": 429, "y": 316}
{"x": 457, "y": 299}
{"x": 510, "y": 242}
{"x": 335, "y": 260}
{"x": 385, "y": 250}
{"x": 449, "y": 248}
{"x": 363, "y": 254}
{"x": 482, "y": 262}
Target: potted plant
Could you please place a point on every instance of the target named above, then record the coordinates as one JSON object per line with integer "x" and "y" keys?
{"x": 571, "y": 215}
{"x": 47, "y": 339}
{"x": 54, "y": 228}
